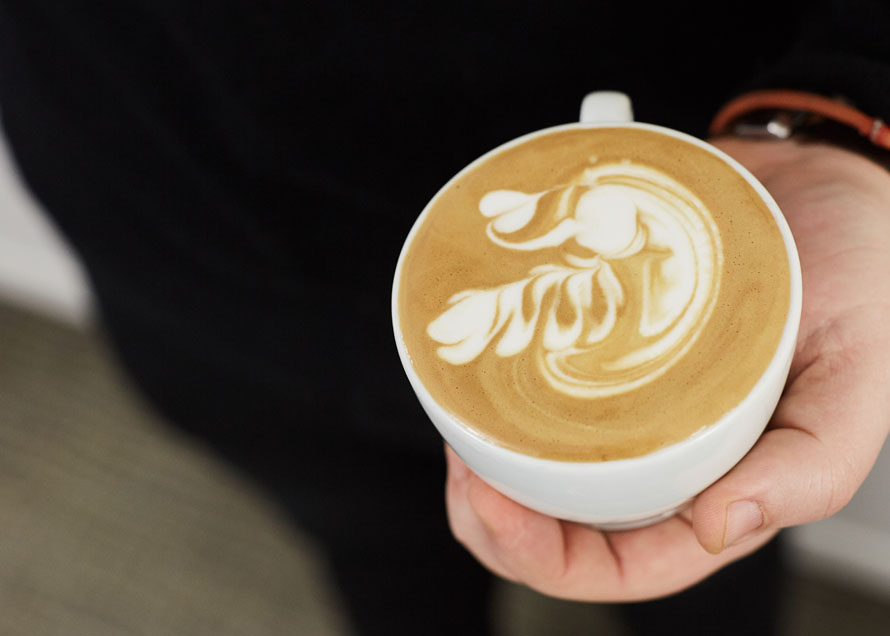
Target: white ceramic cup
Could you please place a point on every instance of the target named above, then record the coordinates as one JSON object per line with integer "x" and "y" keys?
{"x": 633, "y": 492}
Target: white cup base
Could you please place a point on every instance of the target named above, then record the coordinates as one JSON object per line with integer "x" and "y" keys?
{"x": 640, "y": 523}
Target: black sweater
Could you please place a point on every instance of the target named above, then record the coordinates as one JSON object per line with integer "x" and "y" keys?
{"x": 238, "y": 177}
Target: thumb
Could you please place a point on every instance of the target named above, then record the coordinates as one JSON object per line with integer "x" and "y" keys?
{"x": 822, "y": 442}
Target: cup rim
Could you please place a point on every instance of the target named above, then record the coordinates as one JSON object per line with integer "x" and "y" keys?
{"x": 784, "y": 350}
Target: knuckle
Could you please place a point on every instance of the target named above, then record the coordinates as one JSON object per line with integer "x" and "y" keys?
{"x": 459, "y": 531}
{"x": 458, "y": 523}
{"x": 838, "y": 485}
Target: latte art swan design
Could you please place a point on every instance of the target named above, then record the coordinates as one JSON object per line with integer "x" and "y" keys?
{"x": 634, "y": 275}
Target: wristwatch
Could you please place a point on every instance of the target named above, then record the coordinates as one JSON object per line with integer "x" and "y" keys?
{"x": 785, "y": 114}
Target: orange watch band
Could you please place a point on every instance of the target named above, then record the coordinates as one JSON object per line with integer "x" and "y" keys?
{"x": 871, "y": 127}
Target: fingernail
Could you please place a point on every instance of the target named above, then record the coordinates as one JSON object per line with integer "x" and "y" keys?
{"x": 742, "y": 519}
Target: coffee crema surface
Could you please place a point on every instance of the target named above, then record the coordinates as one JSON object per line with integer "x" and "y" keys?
{"x": 594, "y": 294}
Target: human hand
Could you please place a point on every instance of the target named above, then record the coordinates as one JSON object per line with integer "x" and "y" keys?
{"x": 818, "y": 448}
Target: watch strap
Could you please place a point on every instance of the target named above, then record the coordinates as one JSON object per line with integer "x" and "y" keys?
{"x": 733, "y": 111}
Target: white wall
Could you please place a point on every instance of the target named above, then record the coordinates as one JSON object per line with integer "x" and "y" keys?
{"x": 38, "y": 271}
{"x": 853, "y": 546}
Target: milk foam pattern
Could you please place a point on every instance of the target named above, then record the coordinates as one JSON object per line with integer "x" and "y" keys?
{"x": 636, "y": 268}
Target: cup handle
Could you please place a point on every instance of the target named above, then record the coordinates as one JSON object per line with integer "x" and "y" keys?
{"x": 603, "y": 107}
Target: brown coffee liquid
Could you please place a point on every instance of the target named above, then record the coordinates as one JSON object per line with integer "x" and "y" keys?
{"x": 594, "y": 294}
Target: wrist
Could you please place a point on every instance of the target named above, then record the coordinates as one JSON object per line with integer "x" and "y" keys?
{"x": 807, "y": 119}
{"x": 760, "y": 155}
{"x": 802, "y": 152}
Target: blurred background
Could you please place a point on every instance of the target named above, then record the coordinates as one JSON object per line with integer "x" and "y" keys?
{"x": 112, "y": 523}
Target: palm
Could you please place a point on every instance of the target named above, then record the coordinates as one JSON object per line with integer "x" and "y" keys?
{"x": 838, "y": 208}
{"x": 822, "y": 441}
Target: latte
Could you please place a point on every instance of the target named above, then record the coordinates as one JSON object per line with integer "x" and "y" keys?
{"x": 593, "y": 294}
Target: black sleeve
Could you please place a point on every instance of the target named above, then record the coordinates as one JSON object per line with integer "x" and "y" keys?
{"x": 842, "y": 48}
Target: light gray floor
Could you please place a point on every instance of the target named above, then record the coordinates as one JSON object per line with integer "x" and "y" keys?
{"x": 113, "y": 525}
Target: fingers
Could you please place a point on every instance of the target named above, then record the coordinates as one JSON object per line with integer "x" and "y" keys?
{"x": 522, "y": 540}
{"x": 821, "y": 444}
{"x": 466, "y": 526}
{"x": 511, "y": 540}
{"x": 823, "y": 441}
{"x": 570, "y": 560}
